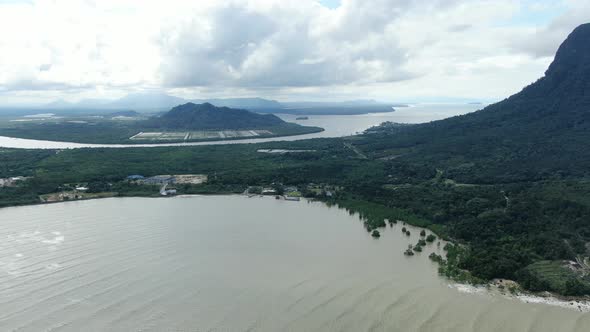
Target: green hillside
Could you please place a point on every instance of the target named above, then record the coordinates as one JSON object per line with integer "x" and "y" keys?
{"x": 208, "y": 117}
{"x": 541, "y": 131}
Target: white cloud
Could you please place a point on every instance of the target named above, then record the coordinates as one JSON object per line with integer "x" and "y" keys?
{"x": 544, "y": 41}
{"x": 386, "y": 49}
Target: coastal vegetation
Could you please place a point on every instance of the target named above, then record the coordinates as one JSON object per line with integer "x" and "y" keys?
{"x": 540, "y": 220}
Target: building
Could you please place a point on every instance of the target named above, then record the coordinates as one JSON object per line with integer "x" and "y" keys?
{"x": 135, "y": 177}
{"x": 290, "y": 189}
{"x": 160, "y": 179}
{"x": 268, "y": 191}
{"x": 168, "y": 192}
{"x": 12, "y": 182}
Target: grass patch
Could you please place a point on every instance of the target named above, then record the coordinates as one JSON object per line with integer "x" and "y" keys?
{"x": 555, "y": 277}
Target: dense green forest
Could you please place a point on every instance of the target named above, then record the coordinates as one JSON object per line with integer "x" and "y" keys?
{"x": 508, "y": 226}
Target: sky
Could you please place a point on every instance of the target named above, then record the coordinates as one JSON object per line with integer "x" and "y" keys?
{"x": 388, "y": 50}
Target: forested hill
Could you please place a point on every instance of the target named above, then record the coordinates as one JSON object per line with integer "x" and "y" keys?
{"x": 206, "y": 116}
{"x": 541, "y": 131}
{"x": 511, "y": 181}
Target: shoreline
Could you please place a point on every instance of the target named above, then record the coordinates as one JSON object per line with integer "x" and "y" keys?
{"x": 545, "y": 298}
{"x": 490, "y": 288}
{"x": 147, "y": 143}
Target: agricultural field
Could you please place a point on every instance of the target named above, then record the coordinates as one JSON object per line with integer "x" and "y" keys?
{"x": 554, "y": 275}
{"x": 160, "y": 136}
{"x": 199, "y": 135}
{"x": 73, "y": 195}
{"x": 190, "y": 179}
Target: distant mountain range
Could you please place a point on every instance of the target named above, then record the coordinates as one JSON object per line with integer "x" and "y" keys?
{"x": 154, "y": 102}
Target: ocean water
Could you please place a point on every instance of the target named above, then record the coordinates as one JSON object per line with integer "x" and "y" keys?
{"x": 232, "y": 263}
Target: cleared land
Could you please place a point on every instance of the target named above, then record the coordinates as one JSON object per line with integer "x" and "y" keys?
{"x": 73, "y": 195}
{"x": 555, "y": 274}
{"x": 198, "y": 135}
{"x": 190, "y": 178}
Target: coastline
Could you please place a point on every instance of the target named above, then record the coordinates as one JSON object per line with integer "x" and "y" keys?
{"x": 163, "y": 143}
{"x": 546, "y": 298}
{"x": 490, "y": 288}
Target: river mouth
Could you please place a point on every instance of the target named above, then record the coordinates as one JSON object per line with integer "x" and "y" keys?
{"x": 232, "y": 263}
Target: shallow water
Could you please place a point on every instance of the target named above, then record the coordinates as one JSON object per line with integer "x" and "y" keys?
{"x": 232, "y": 263}
{"x": 334, "y": 125}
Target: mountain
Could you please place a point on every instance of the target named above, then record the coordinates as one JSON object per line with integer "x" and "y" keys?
{"x": 323, "y": 104}
{"x": 510, "y": 182}
{"x": 158, "y": 101}
{"x": 60, "y": 103}
{"x": 161, "y": 101}
{"x": 544, "y": 129}
{"x": 129, "y": 114}
{"x": 146, "y": 101}
{"x": 207, "y": 116}
{"x": 247, "y": 103}
{"x": 92, "y": 103}
{"x": 340, "y": 107}
{"x": 139, "y": 101}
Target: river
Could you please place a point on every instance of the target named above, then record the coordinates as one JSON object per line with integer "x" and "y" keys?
{"x": 232, "y": 263}
{"x": 334, "y": 125}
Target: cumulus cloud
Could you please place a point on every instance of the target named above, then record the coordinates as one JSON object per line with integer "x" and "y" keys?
{"x": 384, "y": 48}
{"x": 73, "y": 44}
{"x": 283, "y": 45}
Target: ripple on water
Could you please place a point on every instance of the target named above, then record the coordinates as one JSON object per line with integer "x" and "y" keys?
{"x": 229, "y": 263}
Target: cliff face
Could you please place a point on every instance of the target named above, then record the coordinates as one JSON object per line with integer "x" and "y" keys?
{"x": 566, "y": 84}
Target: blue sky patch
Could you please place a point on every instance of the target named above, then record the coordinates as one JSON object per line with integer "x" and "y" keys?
{"x": 330, "y": 3}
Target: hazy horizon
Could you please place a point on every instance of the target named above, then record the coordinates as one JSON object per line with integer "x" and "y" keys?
{"x": 145, "y": 96}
